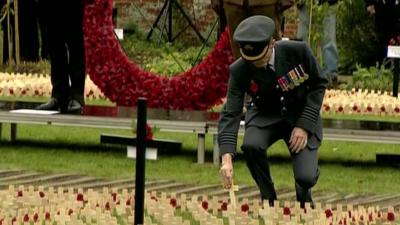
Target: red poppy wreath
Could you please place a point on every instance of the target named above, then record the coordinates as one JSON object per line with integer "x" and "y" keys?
{"x": 123, "y": 81}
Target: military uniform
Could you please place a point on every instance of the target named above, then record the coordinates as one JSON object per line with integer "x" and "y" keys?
{"x": 238, "y": 10}
{"x": 284, "y": 95}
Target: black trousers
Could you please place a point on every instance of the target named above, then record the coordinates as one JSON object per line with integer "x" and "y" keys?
{"x": 66, "y": 49}
{"x": 305, "y": 163}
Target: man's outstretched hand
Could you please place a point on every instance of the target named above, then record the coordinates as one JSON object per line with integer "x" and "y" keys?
{"x": 226, "y": 171}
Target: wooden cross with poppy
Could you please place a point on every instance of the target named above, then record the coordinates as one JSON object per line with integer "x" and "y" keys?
{"x": 232, "y": 195}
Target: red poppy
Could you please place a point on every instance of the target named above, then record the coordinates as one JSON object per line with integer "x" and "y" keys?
{"x": 47, "y": 216}
{"x": 328, "y": 213}
{"x": 79, "y": 197}
{"x": 114, "y": 197}
{"x": 397, "y": 109}
{"x": 70, "y": 211}
{"x": 35, "y": 217}
{"x": 383, "y": 109}
{"x": 224, "y": 206}
{"x": 26, "y": 218}
{"x": 253, "y": 87}
{"x": 204, "y": 205}
{"x": 173, "y": 202}
{"x": 128, "y": 202}
{"x": 245, "y": 208}
{"x": 41, "y": 194}
{"x": 20, "y": 194}
{"x": 286, "y": 211}
{"x": 369, "y": 108}
{"x": 340, "y": 109}
{"x": 107, "y": 206}
{"x": 149, "y": 133}
{"x": 390, "y": 216}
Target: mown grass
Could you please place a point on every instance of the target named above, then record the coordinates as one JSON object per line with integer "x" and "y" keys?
{"x": 345, "y": 166}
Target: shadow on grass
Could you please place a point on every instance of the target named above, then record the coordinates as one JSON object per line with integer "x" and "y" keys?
{"x": 185, "y": 153}
{"x": 75, "y": 147}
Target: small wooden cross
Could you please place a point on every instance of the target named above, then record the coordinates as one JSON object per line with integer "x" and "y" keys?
{"x": 232, "y": 195}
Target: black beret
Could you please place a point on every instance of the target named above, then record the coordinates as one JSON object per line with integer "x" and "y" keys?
{"x": 253, "y": 35}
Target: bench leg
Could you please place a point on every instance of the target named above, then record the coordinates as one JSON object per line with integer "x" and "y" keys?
{"x": 13, "y": 133}
{"x": 201, "y": 141}
{"x": 215, "y": 150}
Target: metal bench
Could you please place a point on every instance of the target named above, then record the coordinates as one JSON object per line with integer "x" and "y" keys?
{"x": 199, "y": 123}
{"x": 197, "y": 127}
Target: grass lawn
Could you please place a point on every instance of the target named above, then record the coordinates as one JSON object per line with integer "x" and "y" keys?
{"x": 345, "y": 167}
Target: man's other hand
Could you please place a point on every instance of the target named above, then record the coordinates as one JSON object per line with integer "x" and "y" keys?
{"x": 298, "y": 140}
{"x": 226, "y": 171}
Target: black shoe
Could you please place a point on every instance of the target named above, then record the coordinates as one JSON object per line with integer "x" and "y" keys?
{"x": 52, "y": 104}
{"x": 74, "y": 107}
{"x": 271, "y": 202}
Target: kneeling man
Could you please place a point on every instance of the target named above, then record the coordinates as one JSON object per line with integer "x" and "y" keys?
{"x": 287, "y": 89}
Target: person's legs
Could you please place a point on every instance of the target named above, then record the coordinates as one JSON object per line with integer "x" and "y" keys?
{"x": 302, "y": 26}
{"x": 58, "y": 58}
{"x": 76, "y": 52}
{"x": 234, "y": 15}
{"x": 272, "y": 12}
{"x": 256, "y": 141}
{"x": 329, "y": 48}
{"x": 305, "y": 168}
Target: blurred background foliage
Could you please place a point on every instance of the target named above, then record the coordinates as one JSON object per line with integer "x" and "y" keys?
{"x": 355, "y": 34}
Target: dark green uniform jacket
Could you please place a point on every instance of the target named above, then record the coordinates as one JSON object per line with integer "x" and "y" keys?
{"x": 297, "y": 101}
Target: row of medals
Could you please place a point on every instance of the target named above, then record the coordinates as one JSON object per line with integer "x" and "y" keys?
{"x": 293, "y": 78}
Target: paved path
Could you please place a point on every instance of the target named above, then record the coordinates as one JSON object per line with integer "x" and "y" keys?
{"x": 18, "y": 177}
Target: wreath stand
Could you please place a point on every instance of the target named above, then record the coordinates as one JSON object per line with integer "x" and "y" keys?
{"x": 167, "y": 26}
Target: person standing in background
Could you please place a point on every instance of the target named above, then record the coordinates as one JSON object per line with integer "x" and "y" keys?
{"x": 218, "y": 7}
{"x": 64, "y": 20}
{"x": 329, "y": 48}
{"x": 238, "y": 10}
{"x": 387, "y": 23}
